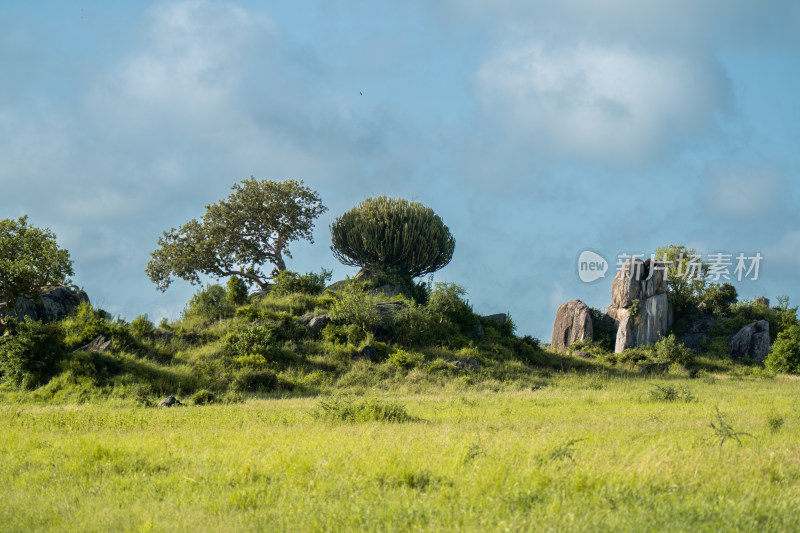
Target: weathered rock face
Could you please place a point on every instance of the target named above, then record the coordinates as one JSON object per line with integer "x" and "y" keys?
{"x": 573, "y": 323}
{"x": 699, "y": 332}
{"x": 639, "y": 303}
{"x": 763, "y": 300}
{"x": 751, "y": 342}
{"x": 55, "y": 302}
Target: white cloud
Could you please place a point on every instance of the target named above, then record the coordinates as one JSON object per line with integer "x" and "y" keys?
{"x": 608, "y": 103}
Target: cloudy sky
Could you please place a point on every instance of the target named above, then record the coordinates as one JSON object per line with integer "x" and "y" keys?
{"x": 536, "y": 130}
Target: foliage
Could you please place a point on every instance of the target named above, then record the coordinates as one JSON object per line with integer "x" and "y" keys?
{"x": 719, "y": 299}
{"x": 238, "y": 235}
{"x": 86, "y": 324}
{"x": 392, "y": 236}
{"x": 210, "y": 303}
{"x": 669, "y": 350}
{"x": 449, "y": 310}
{"x": 686, "y": 281}
{"x": 30, "y": 354}
{"x": 142, "y": 327}
{"x": 288, "y": 282}
{"x": 785, "y": 354}
{"x": 670, "y": 393}
{"x": 605, "y": 333}
{"x": 406, "y": 360}
{"x": 347, "y": 409}
{"x": 204, "y": 397}
{"x": 356, "y": 306}
{"x": 255, "y": 381}
{"x": 29, "y": 260}
{"x": 236, "y": 292}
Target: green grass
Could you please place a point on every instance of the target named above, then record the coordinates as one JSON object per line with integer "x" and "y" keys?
{"x": 577, "y": 452}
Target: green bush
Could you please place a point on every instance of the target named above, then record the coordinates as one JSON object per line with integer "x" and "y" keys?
{"x": 669, "y": 350}
{"x": 204, "y": 397}
{"x": 347, "y": 409}
{"x": 288, "y": 282}
{"x": 785, "y": 354}
{"x": 210, "y": 304}
{"x": 255, "y": 381}
{"x": 86, "y": 324}
{"x": 258, "y": 340}
{"x": 30, "y": 355}
{"x": 406, "y": 360}
{"x": 356, "y": 306}
{"x": 347, "y": 334}
{"x": 236, "y": 292}
{"x": 142, "y": 327}
{"x": 447, "y": 306}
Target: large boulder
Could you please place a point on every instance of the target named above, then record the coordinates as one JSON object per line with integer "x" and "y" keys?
{"x": 55, "y": 303}
{"x": 573, "y": 323}
{"x": 751, "y": 342}
{"x": 639, "y": 303}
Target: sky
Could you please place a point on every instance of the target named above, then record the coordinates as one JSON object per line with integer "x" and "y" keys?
{"x": 535, "y": 130}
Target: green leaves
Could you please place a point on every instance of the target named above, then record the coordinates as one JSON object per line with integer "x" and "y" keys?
{"x": 238, "y": 235}
{"x": 29, "y": 260}
{"x": 392, "y": 235}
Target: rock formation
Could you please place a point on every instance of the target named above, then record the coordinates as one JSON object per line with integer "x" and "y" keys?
{"x": 640, "y": 305}
{"x": 573, "y": 323}
{"x": 751, "y": 342}
{"x": 55, "y": 303}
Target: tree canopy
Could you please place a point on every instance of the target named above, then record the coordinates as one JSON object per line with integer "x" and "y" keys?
{"x": 237, "y": 236}
{"x": 29, "y": 260}
{"x": 389, "y": 234}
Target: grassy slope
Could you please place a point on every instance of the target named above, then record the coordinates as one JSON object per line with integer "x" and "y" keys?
{"x": 586, "y": 452}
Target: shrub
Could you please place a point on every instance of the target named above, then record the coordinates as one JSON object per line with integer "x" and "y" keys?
{"x": 347, "y": 409}
{"x": 142, "y": 327}
{"x": 288, "y": 282}
{"x": 85, "y": 325}
{"x": 204, "y": 397}
{"x": 347, "y": 334}
{"x": 30, "y": 355}
{"x": 406, "y": 360}
{"x": 236, "y": 291}
{"x": 210, "y": 303}
{"x": 669, "y": 350}
{"x": 605, "y": 333}
{"x": 785, "y": 354}
{"x": 356, "y": 306}
{"x": 255, "y": 381}
{"x": 392, "y": 236}
{"x": 258, "y": 339}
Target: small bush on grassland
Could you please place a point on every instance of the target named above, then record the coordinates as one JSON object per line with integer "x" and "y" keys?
{"x": 142, "y": 327}
{"x": 350, "y": 334}
{"x": 347, "y": 409}
{"x": 255, "y": 381}
{"x": 211, "y": 303}
{"x": 30, "y": 355}
{"x": 669, "y": 350}
{"x": 668, "y": 393}
{"x": 446, "y": 305}
{"x": 356, "y": 306}
{"x": 204, "y": 397}
{"x": 85, "y": 325}
{"x": 406, "y": 360}
{"x": 785, "y": 354}
{"x": 288, "y": 282}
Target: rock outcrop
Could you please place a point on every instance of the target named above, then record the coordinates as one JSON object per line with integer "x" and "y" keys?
{"x": 751, "y": 342}
{"x": 55, "y": 303}
{"x": 573, "y": 323}
{"x": 639, "y": 303}
{"x": 698, "y": 334}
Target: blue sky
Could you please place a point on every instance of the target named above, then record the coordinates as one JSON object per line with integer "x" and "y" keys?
{"x": 535, "y": 130}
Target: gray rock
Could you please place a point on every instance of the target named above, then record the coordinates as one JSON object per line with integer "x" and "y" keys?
{"x": 644, "y": 284}
{"x": 317, "y": 323}
{"x": 367, "y": 352}
{"x": 751, "y": 342}
{"x": 573, "y": 323}
{"x": 497, "y": 318}
{"x": 699, "y": 333}
{"x": 477, "y": 333}
{"x": 763, "y": 300}
{"x": 169, "y": 401}
{"x": 337, "y": 285}
{"x": 583, "y": 355}
{"x": 55, "y": 302}
{"x": 100, "y": 344}
{"x": 465, "y": 364}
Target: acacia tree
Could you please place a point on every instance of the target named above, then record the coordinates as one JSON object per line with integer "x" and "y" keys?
{"x": 237, "y": 236}
{"x": 392, "y": 236}
{"x": 29, "y": 260}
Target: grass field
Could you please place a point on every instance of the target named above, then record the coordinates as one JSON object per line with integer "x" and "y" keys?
{"x": 583, "y": 452}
